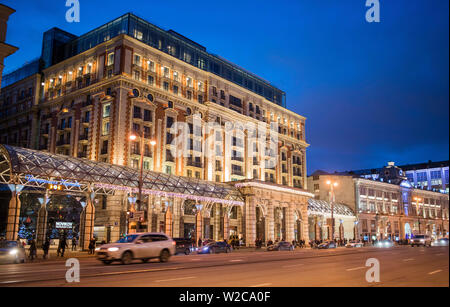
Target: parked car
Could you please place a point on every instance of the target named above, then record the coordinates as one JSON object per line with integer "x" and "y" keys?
{"x": 280, "y": 246}
{"x": 183, "y": 246}
{"x": 353, "y": 244}
{"x": 418, "y": 240}
{"x": 384, "y": 243}
{"x": 441, "y": 242}
{"x": 12, "y": 252}
{"x": 143, "y": 246}
{"x": 215, "y": 248}
{"x": 208, "y": 241}
{"x": 327, "y": 245}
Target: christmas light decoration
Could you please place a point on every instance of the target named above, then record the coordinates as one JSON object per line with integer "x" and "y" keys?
{"x": 170, "y": 194}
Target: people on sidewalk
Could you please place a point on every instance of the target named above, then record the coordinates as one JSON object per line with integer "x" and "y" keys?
{"x": 74, "y": 244}
{"x": 62, "y": 246}
{"x": 46, "y": 247}
{"x": 92, "y": 246}
{"x": 32, "y": 250}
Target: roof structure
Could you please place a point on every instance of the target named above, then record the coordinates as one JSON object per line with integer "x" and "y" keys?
{"x": 324, "y": 207}
{"x": 33, "y": 168}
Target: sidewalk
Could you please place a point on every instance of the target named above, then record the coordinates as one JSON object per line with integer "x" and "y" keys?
{"x": 53, "y": 255}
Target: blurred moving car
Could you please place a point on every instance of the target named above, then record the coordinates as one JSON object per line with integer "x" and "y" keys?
{"x": 183, "y": 246}
{"x": 327, "y": 245}
{"x": 280, "y": 246}
{"x": 441, "y": 242}
{"x": 143, "y": 246}
{"x": 215, "y": 248}
{"x": 424, "y": 240}
{"x": 354, "y": 244}
{"x": 384, "y": 243}
{"x": 12, "y": 252}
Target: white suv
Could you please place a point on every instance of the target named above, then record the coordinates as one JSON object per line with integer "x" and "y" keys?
{"x": 418, "y": 240}
{"x": 143, "y": 246}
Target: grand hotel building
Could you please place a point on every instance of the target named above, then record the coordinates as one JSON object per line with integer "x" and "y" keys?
{"x": 86, "y": 96}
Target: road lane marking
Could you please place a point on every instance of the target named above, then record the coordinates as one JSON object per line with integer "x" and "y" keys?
{"x": 11, "y": 281}
{"x": 358, "y": 268}
{"x": 129, "y": 272}
{"x": 175, "y": 279}
{"x": 292, "y": 266}
{"x": 434, "y": 272}
{"x": 236, "y": 260}
{"x": 409, "y": 259}
{"x": 261, "y": 285}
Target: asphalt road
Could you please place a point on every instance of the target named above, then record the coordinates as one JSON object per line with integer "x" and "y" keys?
{"x": 399, "y": 266}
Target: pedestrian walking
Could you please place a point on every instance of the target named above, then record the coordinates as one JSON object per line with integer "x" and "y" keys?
{"x": 63, "y": 244}
{"x": 46, "y": 247}
{"x": 91, "y": 246}
{"x": 74, "y": 244}
{"x": 32, "y": 249}
{"x": 199, "y": 243}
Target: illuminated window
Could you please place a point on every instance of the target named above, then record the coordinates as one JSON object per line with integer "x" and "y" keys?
{"x": 110, "y": 60}
{"x": 137, "y": 60}
{"x": 106, "y": 110}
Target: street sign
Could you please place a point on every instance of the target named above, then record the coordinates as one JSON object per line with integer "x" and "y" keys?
{"x": 63, "y": 225}
{"x": 137, "y": 216}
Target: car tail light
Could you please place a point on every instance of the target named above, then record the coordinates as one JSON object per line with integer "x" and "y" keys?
{"x": 174, "y": 243}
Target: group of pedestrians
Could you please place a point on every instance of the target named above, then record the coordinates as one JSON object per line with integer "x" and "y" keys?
{"x": 259, "y": 243}
{"x": 301, "y": 243}
{"x": 62, "y": 245}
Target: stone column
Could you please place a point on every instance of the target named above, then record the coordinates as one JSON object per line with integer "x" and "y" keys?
{"x": 290, "y": 222}
{"x": 87, "y": 222}
{"x": 110, "y": 217}
{"x": 240, "y": 217}
{"x": 217, "y": 222}
{"x": 270, "y": 227}
{"x": 305, "y": 223}
{"x": 250, "y": 221}
{"x": 41, "y": 223}
{"x": 12, "y": 228}
{"x": 198, "y": 227}
{"x": 176, "y": 217}
{"x": 226, "y": 226}
{"x": 168, "y": 221}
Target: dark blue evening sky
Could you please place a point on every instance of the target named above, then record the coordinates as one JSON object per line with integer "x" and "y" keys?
{"x": 372, "y": 93}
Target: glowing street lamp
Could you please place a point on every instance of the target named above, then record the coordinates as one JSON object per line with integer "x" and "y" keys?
{"x": 134, "y": 137}
{"x": 332, "y": 200}
{"x": 418, "y": 200}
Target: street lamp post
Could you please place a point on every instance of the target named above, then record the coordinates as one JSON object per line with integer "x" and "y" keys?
{"x": 418, "y": 199}
{"x": 332, "y": 200}
{"x": 133, "y": 137}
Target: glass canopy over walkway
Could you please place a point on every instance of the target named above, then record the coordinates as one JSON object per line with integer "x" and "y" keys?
{"x": 37, "y": 169}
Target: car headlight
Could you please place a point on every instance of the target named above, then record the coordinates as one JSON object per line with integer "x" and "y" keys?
{"x": 13, "y": 252}
{"x": 422, "y": 240}
{"x": 97, "y": 249}
{"x": 113, "y": 249}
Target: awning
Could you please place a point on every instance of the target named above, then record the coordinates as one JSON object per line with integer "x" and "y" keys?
{"x": 321, "y": 207}
{"x": 34, "y": 168}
